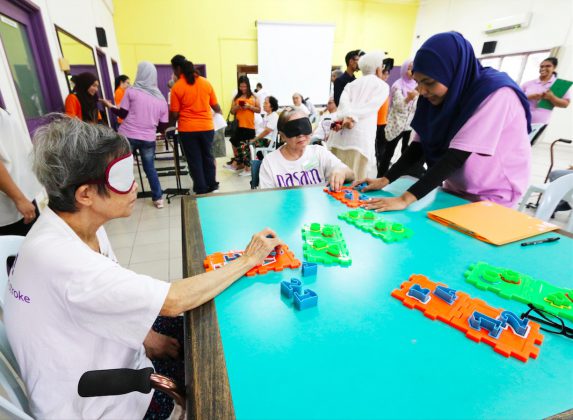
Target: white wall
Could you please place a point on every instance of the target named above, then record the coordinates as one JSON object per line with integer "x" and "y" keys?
{"x": 551, "y": 26}
{"x": 77, "y": 17}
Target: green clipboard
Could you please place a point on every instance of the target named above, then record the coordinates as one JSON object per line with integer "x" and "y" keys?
{"x": 559, "y": 88}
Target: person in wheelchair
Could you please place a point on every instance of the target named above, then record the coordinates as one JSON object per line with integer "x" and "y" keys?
{"x": 296, "y": 163}
{"x": 70, "y": 307}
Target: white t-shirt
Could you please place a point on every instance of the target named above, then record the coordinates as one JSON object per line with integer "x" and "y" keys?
{"x": 69, "y": 310}
{"x": 314, "y": 167}
{"x": 270, "y": 121}
{"x": 16, "y": 155}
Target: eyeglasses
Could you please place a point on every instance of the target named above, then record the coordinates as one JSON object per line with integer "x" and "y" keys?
{"x": 549, "y": 322}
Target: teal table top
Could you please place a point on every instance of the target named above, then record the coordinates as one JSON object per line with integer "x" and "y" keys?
{"x": 361, "y": 354}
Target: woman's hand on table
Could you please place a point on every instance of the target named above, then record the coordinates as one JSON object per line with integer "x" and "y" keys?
{"x": 336, "y": 179}
{"x": 261, "y": 245}
{"x": 159, "y": 346}
{"x": 374, "y": 184}
{"x": 390, "y": 203}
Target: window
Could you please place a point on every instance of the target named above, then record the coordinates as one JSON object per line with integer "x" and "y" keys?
{"x": 23, "y": 67}
{"x": 520, "y": 67}
{"x": 513, "y": 66}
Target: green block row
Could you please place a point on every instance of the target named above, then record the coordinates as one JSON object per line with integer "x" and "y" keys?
{"x": 523, "y": 288}
{"x": 325, "y": 244}
{"x": 376, "y": 225}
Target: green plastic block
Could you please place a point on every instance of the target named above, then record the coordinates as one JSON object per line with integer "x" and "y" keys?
{"x": 376, "y": 225}
{"x": 325, "y": 244}
{"x": 523, "y": 288}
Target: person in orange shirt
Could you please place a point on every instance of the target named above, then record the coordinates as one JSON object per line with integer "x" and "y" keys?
{"x": 82, "y": 102}
{"x": 193, "y": 101}
{"x": 245, "y": 104}
{"x": 381, "y": 125}
{"x": 122, "y": 82}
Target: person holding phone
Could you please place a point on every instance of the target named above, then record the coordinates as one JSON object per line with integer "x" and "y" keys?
{"x": 245, "y": 104}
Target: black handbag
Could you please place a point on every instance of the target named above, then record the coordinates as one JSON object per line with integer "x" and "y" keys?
{"x": 231, "y": 127}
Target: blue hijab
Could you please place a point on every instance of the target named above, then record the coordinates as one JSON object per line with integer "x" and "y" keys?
{"x": 449, "y": 58}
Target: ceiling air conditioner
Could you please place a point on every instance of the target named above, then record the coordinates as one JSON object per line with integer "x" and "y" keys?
{"x": 508, "y": 23}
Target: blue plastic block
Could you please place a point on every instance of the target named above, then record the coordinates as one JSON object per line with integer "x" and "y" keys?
{"x": 349, "y": 195}
{"x": 363, "y": 197}
{"x": 360, "y": 187}
{"x": 446, "y": 294}
{"x": 419, "y": 293}
{"x": 477, "y": 321}
{"x": 229, "y": 258}
{"x": 519, "y": 326}
{"x": 288, "y": 288}
{"x": 309, "y": 269}
{"x": 306, "y": 300}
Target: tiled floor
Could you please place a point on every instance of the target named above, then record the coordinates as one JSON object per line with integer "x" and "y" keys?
{"x": 149, "y": 242}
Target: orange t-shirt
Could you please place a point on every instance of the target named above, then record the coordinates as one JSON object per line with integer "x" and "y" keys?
{"x": 74, "y": 108}
{"x": 246, "y": 117}
{"x": 383, "y": 112}
{"x": 193, "y": 103}
{"x": 117, "y": 97}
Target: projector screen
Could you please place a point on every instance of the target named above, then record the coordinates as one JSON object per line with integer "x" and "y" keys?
{"x": 295, "y": 57}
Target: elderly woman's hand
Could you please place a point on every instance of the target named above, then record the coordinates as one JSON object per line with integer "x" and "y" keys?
{"x": 261, "y": 246}
{"x": 391, "y": 203}
{"x": 159, "y": 346}
{"x": 337, "y": 179}
{"x": 348, "y": 122}
{"x": 373, "y": 184}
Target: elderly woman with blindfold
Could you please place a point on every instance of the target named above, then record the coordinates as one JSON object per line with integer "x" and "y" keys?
{"x": 296, "y": 163}
{"x": 471, "y": 124}
{"x": 70, "y": 307}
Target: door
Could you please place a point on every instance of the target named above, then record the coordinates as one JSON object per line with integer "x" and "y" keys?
{"x": 25, "y": 45}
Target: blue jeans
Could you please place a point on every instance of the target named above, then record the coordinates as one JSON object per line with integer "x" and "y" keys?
{"x": 147, "y": 153}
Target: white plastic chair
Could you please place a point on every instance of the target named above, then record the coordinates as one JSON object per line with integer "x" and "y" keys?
{"x": 9, "y": 246}
{"x": 264, "y": 150}
{"x": 560, "y": 189}
{"x": 536, "y": 130}
{"x": 13, "y": 399}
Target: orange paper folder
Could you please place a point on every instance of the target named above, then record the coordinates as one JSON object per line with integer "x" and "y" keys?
{"x": 491, "y": 222}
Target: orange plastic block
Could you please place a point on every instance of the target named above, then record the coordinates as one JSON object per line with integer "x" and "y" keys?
{"x": 355, "y": 202}
{"x": 458, "y": 313}
{"x": 277, "y": 260}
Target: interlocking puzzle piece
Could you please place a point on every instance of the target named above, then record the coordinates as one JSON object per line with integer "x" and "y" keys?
{"x": 523, "y": 288}
{"x": 305, "y": 300}
{"x": 417, "y": 292}
{"x": 309, "y": 269}
{"x": 360, "y": 187}
{"x": 279, "y": 259}
{"x": 325, "y": 244}
{"x": 288, "y": 288}
{"x": 376, "y": 225}
{"x": 508, "y": 343}
{"x": 346, "y": 195}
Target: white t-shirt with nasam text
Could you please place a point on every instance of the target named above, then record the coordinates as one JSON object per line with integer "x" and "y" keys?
{"x": 69, "y": 310}
{"x": 314, "y": 167}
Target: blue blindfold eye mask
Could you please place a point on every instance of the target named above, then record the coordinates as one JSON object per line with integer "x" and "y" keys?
{"x": 300, "y": 126}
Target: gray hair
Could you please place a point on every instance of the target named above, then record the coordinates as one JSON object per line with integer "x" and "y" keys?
{"x": 371, "y": 61}
{"x": 337, "y": 73}
{"x": 69, "y": 153}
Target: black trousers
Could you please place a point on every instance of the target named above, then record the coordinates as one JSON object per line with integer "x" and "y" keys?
{"x": 19, "y": 228}
{"x": 198, "y": 149}
{"x": 388, "y": 148}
